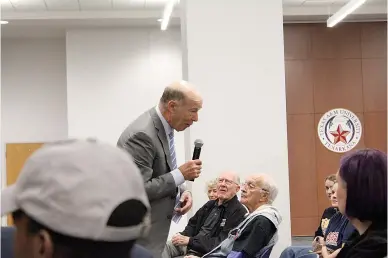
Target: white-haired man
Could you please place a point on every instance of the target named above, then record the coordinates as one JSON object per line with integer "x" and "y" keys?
{"x": 257, "y": 233}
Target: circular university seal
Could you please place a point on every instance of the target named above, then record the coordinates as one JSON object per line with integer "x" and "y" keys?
{"x": 339, "y": 130}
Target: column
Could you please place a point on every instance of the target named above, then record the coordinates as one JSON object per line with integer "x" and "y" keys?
{"x": 233, "y": 51}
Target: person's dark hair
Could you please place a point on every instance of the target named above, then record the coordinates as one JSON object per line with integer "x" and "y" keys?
{"x": 172, "y": 94}
{"x": 129, "y": 213}
{"x": 365, "y": 175}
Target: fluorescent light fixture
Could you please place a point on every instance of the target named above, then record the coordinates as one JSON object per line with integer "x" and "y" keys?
{"x": 168, "y": 8}
{"x": 3, "y": 22}
{"x": 347, "y": 9}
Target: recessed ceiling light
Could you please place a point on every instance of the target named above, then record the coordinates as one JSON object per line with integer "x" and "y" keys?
{"x": 3, "y": 22}
{"x": 160, "y": 20}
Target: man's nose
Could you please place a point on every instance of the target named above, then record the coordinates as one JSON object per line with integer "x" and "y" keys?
{"x": 195, "y": 117}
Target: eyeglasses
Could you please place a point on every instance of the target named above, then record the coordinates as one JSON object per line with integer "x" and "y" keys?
{"x": 251, "y": 186}
{"x": 227, "y": 181}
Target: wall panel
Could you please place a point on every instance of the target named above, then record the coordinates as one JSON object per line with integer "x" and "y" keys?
{"x": 327, "y": 68}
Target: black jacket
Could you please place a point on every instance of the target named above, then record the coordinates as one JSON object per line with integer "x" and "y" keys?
{"x": 232, "y": 211}
{"x": 371, "y": 244}
{"x": 255, "y": 237}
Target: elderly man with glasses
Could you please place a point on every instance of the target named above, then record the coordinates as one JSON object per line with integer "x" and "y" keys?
{"x": 257, "y": 233}
{"x": 211, "y": 223}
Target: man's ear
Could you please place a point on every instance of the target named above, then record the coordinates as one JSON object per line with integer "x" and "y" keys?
{"x": 43, "y": 245}
{"x": 171, "y": 105}
{"x": 264, "y": 197}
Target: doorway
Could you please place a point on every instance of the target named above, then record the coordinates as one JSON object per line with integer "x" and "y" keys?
{"x": 16, "y": 155}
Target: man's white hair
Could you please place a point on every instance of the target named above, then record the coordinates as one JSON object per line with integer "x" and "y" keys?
{"x": 236, "y": 177}
{"x": 266, "y": 183}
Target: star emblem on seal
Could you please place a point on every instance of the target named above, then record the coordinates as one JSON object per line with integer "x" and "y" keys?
{"x": 340, "y": 135}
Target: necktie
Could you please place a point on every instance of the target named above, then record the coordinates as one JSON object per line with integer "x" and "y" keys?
{"x": 172, "y": 150}
{"x": 173, "y": 161}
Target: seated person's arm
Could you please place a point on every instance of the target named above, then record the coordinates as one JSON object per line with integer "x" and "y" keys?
{"x": 326, "y": 216}
{"x": 257, "y": 237}
{"x": 204, "y": 243}
{"x": 326, "y": 254}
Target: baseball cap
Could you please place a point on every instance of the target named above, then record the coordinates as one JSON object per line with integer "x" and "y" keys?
{"x": 73, "y": 186}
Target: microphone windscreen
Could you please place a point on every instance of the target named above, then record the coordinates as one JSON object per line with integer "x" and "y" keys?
{"x": 198, "y": 143}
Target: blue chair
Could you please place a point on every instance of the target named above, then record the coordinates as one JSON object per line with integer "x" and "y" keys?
{"x": 265, "y": 252}
{"x": 7, "y": 236}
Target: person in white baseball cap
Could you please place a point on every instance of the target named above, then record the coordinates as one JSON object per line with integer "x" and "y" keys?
{"x": 77, "y": 198}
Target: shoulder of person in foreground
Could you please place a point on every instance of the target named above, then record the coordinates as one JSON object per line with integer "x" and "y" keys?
{"x": 372, "y": 243}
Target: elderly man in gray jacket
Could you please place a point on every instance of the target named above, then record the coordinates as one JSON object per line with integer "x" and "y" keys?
{"x": 150, "y": 141}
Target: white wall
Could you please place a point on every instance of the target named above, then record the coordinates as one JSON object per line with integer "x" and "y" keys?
{"x": 33, "y": 92}
{"x": 238, "y": 66}
{"x": 115, "y": 75}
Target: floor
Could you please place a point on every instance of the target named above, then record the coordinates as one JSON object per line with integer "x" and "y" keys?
{"x": 301, "y": 241}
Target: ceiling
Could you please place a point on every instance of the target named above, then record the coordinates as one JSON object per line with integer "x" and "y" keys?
{"x": 51, "y": 18}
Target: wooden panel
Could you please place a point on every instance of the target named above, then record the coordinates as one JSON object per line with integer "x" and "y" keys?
{"x": 297, "y": 42}
{"x": 374, "y": 78}
{"x": 342, "y": 41}
{"x": 374, "y": 39}
{"x": 16, "y": 155}
{"x": 301, "y": 143}
{"x": 299, "y": 226}
{"x": 327, "y": 162}
{"x": 299, "y": 87}
{"x": 346, "y": 67}
{"x": 375, "y": 127}
{"x": 337, "y": 84}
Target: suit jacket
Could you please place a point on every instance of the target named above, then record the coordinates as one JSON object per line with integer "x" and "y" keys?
{"x": 146, "y": 140}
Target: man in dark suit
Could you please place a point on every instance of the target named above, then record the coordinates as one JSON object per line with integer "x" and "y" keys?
{"x": 150, "y": 141}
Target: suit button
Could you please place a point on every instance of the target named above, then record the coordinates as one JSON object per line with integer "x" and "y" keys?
{"x": 169, "y": 217}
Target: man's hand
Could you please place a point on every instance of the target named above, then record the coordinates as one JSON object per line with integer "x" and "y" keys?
{"x": 186, "y": 203}
{"x": 180, "y": 240}
{"x": 191, "y": 169}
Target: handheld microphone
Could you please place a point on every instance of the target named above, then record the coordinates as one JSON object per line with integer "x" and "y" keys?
{"x": 197, "y": 149}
